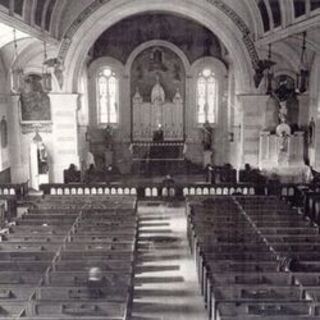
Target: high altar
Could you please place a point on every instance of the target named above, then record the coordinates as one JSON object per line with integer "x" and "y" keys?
{"x": 157, "y": 126}
{"x": 158, "y": 114}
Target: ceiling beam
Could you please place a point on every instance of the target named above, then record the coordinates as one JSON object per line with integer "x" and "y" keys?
{"x": 282, "y": 34}
{"x": 22, "y": 26}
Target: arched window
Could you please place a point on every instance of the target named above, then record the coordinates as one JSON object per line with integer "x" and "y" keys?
{"x": 107, "y": 96}
{"x": 207, "y": 96}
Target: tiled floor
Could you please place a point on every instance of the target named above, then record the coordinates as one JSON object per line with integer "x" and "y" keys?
{"x": 166, "y": 286}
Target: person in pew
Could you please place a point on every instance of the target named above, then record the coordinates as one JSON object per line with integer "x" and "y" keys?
{"x": 90, "y": 175}
{"x": 288, "y": 264}
{"x": 72, "y": 174}
{"x": 168, "y": 181}
{"x": 246, "y": 173}
{"x": 95, "y": 283}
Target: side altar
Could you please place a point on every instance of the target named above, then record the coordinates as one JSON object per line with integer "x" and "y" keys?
{"x": 282, "y": 146}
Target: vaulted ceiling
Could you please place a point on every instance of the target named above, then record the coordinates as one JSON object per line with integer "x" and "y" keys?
{"x": 261, "y": 16}
{"x": 268, "y": 20}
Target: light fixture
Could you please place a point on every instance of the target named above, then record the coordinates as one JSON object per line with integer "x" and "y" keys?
{"x": 17, "y": 75}
{"x": 37, "y": 139}
{"x": 269, "y": 73}
{"x": 46, "y": 75}
{"x": 302, "y": 77}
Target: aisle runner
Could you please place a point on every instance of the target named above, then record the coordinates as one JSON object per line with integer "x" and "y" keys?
{"x": 166, "y": 286}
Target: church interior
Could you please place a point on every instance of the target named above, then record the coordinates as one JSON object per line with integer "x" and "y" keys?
{"x": 159, "y": 159}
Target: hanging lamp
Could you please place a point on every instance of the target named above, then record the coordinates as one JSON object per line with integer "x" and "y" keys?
{"x": 303, "y": 76}
{"x": 46, "y": 75}
{"x": 17, "y": 74}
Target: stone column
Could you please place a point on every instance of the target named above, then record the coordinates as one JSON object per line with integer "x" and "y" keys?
{"x": 253, "y": 108}
{"x": 65, "y": 139}
{"x": 19, "y": 160}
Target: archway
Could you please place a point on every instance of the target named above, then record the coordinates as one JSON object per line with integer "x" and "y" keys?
{"x": 109, "y": 14}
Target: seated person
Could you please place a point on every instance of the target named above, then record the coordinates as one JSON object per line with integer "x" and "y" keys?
{"x": 228, "y": 174}
{"x": 95, "y": 283}
{"x": 245, "y": 175}
{"x": 71, "y": 174}
{"x": 90, "y": 174}
{"x": 168, "y": 181}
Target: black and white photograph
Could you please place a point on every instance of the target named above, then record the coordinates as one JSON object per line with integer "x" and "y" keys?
{"x": 159, "y": 159}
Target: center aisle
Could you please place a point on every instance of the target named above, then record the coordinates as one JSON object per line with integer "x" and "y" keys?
{"x": 166, "y": 285}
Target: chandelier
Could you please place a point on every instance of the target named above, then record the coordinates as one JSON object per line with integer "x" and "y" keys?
{"x": 17, "y": 74}
{"x": 269, "y": 72}
{"x": 303, "y": 76}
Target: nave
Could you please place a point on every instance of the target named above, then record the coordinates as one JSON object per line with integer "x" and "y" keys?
{"x": 166, "y": 285}
{"x": 219, "y": 257}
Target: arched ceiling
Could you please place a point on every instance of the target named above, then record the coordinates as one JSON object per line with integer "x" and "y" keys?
{"x": 262, "y": 17}
{"x": 265, "y": 21}
{"x": 122, "y": 38}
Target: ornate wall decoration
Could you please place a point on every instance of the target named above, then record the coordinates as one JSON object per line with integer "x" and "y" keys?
{"x": 159, "y": 61}
{"x": 34, "y": 102}
{"x": 66, "y": 42}
{"x": 34, "y": 106}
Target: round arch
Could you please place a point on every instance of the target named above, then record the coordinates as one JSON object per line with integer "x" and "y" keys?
{"x": 109, "y": 14}
{"x": 160, "y": 43}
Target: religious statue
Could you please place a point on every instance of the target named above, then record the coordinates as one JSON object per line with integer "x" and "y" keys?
{"x": 283, "y": 112}
{"x": 311, "y": 132}
{"x": 156, "y": 62}
{"x": 157, "y": 94}
{"x": 108, "y": 135}
{"x": 177, "y": 97}
{"x": 42, "y": 155}
{"x": 283, "y": 132}
{"x": 207, "y": 132}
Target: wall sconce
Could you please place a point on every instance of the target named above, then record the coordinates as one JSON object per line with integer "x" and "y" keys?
{"x": 231, "y": 136}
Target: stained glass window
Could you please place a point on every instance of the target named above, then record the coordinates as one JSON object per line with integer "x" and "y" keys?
{"x": 207, "y": 96}
{"x": 107, "y": 96}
